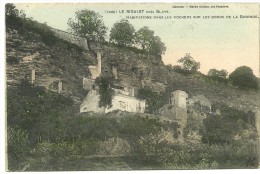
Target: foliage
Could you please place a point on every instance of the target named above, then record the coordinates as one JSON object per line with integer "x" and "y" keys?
{"x": 33, "y": 115}
{"x": 18, "y": 146}
{"x": 42, "y": 133}
{"x": 217, "y": 131}
{"x": 88, "y": 24}
{"x": 145, "y": 38}
{"x": 10, "y": 10}
{"x": 189, "y": 64}
{"x": 122, "y": 33}
{"x": 17, "y": 20}
{"x": 157, "y": 47}
{"x": 203, "y": 156}
{"x": 179, "y": 69}
{"x": 153, "y": 99}
{"x": 105, "y": 90}
{"x": 222, "y": 129}
{"x": 218, "y": 75}
{"x": 243, "y": 77}
{"x": 30, "y": 107}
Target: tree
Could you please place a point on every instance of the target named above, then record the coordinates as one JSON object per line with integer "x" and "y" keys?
{"x": 10, "y": 10}
{"x": 145, "y": 38}
{"x": 105, "y": 91}
{"x": 243, "y": 77}
{"x": 88, "y": 24}
{"x": 14, "y": 17}
{"x": 122, "y": 33}
{"x": 157, "y": 46}
{"x": 218, "y": 75}
{"x": 153, "y": 99}
{"x": 189, "y": 64}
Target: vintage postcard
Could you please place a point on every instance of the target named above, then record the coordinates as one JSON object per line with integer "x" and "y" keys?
{"x": 132, "y": 86}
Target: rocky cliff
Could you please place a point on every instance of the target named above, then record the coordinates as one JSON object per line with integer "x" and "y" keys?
{"x": 68, "y": 62}
{"x": 61, "y": 61}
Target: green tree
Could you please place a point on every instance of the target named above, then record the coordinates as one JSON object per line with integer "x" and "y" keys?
{"x": 88, "y": 24}
{"x": 18, "y": 147}
{"x": 122, "y": 33}
{"x": 218, "y": 75}
{"x": 10, "y": 10}
{"x": 145, "y": 38}
{"x": 189, "y": 64}
{"x": 105, "y": 91}
{"x": 153, "y": 99}
{"x": 243, "y": 77}
{"x": 14, "y": 17}
{"x": 157, "y": 46}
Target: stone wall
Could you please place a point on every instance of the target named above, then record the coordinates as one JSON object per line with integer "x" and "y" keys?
{"x": 127, "y": 103}
{"x": 178, "y": 99}
{"x": 71, "y": 38}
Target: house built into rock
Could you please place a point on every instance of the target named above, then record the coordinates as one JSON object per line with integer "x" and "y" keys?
{"x": 124, "y": 98}
{"x": 186, "y": 110}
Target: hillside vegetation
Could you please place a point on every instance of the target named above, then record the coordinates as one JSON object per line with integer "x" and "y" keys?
{"x": 45, "y": 133}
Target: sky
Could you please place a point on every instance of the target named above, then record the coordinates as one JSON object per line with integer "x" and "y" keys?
{"x": 225, "y": 43}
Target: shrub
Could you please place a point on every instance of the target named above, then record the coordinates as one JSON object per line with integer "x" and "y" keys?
{"x": 105, "y": 91}
{"x": 244, "y": 78}
{"x": 153, "y": 99}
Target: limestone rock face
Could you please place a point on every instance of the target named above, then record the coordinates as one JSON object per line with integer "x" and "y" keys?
{"x": 58, "y": 62}
{"x": 131, "y": 68}
{"x": 71, "y": 38}
{"x": 69, "y": 63}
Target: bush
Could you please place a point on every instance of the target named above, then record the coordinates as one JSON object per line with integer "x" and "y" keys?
{"x": 219, "y": 76}
{"x": 12, "y": 60}
{"x": 204, "y": 156}
{"x": 244, "y": 78}
{"x": 189, "y": 64}
{"x": 17, "y": 20}
{"x": 222, "y": 129}
{"x": 105, "y": 91}
{"x": 153, "y": 99}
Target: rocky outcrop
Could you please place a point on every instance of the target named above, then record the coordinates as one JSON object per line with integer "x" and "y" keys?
{"x": 69, "y": 63}
{"x": 141, "y": 70}
{"x": 60, "y": 62}
{"x": 71, "y": 38}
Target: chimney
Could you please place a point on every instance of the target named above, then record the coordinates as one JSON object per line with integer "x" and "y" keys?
{"x": 99, "y": 62}
{"x": 132, "y": 91}
{"x": 60, "y": 87}
{"x": 33, "y": 76}
{"x": 114, "y": 71}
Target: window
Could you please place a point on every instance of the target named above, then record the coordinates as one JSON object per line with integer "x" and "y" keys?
{"x": 122, "y": 104}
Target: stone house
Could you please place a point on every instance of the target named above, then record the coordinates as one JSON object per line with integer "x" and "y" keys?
{"x": 124, "y": 98}
{"x": 127, "y": 103}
